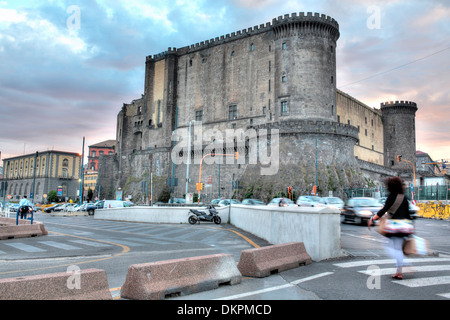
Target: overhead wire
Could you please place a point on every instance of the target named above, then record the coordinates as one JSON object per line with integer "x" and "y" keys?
{"x": 395, "y": 68}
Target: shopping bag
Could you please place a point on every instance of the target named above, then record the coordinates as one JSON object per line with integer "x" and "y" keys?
{"x": 415, "y": 245}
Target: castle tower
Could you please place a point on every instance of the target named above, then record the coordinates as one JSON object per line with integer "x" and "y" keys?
{"x": 399, "y": 134}
{"x": 305, "y": 66}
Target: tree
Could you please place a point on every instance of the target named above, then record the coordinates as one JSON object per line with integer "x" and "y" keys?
{"x": 52, "y": 196}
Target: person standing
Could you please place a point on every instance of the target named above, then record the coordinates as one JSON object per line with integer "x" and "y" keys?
{"x": 24, "y": 207}
{"x": 397, "y": 207}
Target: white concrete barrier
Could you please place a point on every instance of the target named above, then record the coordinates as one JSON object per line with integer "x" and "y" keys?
{"x": 155, "y": 214}
{"x": 318, "y": 228}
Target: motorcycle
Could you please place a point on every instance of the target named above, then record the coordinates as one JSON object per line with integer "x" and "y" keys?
{"x": 197, "y": 216}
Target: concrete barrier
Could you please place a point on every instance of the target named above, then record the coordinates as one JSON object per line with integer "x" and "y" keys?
{"x": 319, "y": 228}
{"x": 262, "y": 262}
{"x": 157, "y": 280}
{"x": 89, "y": 284}
{"x": 154, "y": 214}
{"x": 9, "y": 229}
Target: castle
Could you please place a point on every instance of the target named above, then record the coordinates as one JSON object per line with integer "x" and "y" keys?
{"x": 267, "y": 93}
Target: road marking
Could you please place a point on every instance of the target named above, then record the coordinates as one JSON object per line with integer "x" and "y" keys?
{"x": 91, "y": 243}
{"x": 387, "y": 261}
{"x": 414, "y": 269}
{"x": 25, "y": 247}
{"x": 125, "y": 249}
{"x": 284, "y": 286}
{"x": 424, "y": 282}
{"x": 59, "y": 245}
{"x": 445, "y": 295}
{"x": 365, "y": 237}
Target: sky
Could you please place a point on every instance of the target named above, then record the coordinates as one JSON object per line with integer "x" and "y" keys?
{"x": 67, "y": 67}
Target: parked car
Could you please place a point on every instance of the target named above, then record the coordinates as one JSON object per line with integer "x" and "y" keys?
{"x": 227, "y": 202}
{"x": 281, "y": 202}
{"x": 359, "y": 210}
{"x": 107, "y": 204}
{"x": 91, "y": 207}
{"x": 52, "y": 208}
{"x": 253, "y": 202}
{"x": 334, "y": 202}
{"x": 177, "y": 200}
{"x": 309, "y": 201}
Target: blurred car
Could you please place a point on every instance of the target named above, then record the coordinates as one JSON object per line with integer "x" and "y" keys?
{"x": 413, "y": 209}
{"x": 91, "y": 207}
{"x": 227, "y": 202}
{"x": 177, "y": 200}
{"x": 215, "y": 201}
{"x": 281, "y": 202}
{"x": 52, "y": 208}
{"x": 309, "y": 201}
{"x": 107, "y": 204}
{"x": 253, "y": 202}
{"x": 359, "y": 210}
{"x": 334, "y": 202}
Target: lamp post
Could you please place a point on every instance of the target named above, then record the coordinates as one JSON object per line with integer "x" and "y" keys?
{"x": 82, "y": 174}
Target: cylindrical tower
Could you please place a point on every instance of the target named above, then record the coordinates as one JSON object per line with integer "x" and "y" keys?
{"x": 399, "y": 133}
{"x": 305, "y": 66}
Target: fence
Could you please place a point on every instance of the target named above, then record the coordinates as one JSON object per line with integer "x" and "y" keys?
{"x": 420, "y": 193}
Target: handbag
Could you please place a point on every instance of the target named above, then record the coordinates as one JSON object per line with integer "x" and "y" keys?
{"x": 415, "y": 245}
{"x": 390, "y": 226}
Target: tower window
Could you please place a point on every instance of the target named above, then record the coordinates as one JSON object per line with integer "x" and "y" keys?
{"x": 252, "y": 47}
{"x": 284, "y": 107}
{"x": 232, "y": 112}
{"x": 284, "y": 46}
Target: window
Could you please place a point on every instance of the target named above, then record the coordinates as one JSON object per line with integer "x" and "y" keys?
{"x": 93, "y": 154}
{"x": 283, "y": 79}
{"x": 199, "y": 115}
{"x": 232, "y": 112}
{"x": 252, "y": 47}
{"x": 284, "y": 106}
{"x": 283, "y": 46}
{"x": 264, "y": 110}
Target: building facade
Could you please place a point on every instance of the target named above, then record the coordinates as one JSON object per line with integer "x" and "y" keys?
{"x": 99, "y": 149}
{"x": 269, "y": 94}
{"x": 42, "y": 172}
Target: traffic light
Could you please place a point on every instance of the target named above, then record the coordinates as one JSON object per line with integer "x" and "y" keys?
{"x": 236, "y": 155}
{"x": 399, "y": 158}
{"x": 199, "y": 186}
{"x": 290, "y": 192}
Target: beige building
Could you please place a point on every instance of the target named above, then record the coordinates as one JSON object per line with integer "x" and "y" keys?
{"x": 369, "y": 123}
{"x": 46, "y": 171}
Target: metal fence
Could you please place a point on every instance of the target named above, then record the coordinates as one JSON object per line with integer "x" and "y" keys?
{"x": 426, "y": 193}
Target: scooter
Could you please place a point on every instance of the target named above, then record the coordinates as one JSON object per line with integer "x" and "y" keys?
{"x": 197, "y": 216}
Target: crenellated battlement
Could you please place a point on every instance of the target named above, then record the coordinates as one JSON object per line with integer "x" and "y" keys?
{"x": 311, "y": 22}
{"x": 391, "y": 107}
{"x": 398, "y": 103}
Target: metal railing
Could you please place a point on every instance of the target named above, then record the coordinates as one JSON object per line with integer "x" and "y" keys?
{"x": 419, "y": 193}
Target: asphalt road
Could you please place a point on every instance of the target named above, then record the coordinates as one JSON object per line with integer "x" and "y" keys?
{"x": 362, "y": 274}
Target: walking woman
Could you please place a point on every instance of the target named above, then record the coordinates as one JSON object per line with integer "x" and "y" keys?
{"x": 397, "y": 207}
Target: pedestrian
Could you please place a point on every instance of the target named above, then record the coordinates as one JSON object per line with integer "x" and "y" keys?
{"x": 24, "y": 206}
{"x": 397, "y": 210}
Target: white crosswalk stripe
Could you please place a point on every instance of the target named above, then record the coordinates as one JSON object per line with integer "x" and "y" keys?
{"x": 417, "y": 272}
